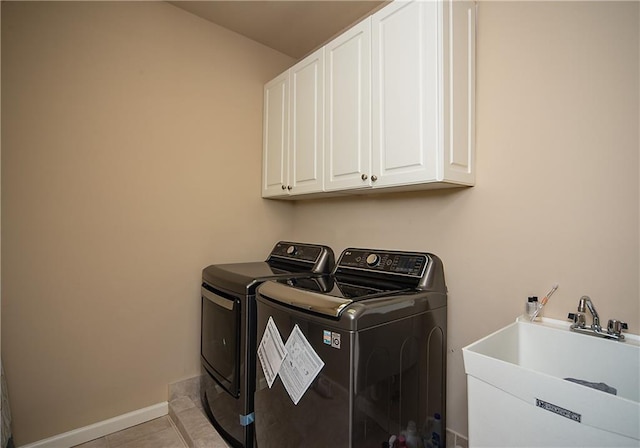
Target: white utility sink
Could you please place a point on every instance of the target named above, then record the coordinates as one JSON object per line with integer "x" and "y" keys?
{"x": 518, "y": 395}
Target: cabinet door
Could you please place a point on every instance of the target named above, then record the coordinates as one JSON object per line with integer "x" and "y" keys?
{"x": 459, "y": 87}
{"x": 306, "y": 133}
{"x": 405, "y": 93}
{"x": 348, "y": 109}
{"x": 275, "y": 137}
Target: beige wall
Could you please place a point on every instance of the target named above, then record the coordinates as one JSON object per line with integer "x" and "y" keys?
{"x": 556, "y": 198}
{"x": 131, "y": 137}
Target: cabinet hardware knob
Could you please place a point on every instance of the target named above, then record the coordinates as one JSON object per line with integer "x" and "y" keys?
{"x": 363, "y": 177}
{"x": 374, "y": 178}
{"x": 284, "y": 187}
{"x": 289, "y": 187}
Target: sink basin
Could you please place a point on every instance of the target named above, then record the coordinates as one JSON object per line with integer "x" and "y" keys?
{"x": 518, "y": 394}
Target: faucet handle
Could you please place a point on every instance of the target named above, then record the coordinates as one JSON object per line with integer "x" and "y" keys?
{"x": 615, "y": 327}
{"x": 578, "y": 319}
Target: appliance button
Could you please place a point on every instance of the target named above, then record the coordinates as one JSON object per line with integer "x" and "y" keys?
{"x": 373, "y": 260}
{"x": 291, "y": 250}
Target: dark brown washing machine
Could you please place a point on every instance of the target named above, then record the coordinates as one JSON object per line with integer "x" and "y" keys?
{"x": 378, "y": 335}
{"x": 228, "y": 334}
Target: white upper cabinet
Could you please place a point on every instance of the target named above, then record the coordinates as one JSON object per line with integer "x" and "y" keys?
{"x": 348, "y": 109}
{"x": 293, "y": 130}
{"x": 405, "y": 93}
{"x": 275, "y": 137}
{"x": 306, "y": 149}
{"x": 423, "y": 58}
{"x": 388, "y": 104}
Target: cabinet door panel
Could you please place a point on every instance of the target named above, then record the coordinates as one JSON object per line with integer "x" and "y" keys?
{"x": 405, "y": 93}
{"x": 348, "y": 109}
{"x": 306, "y": 146}
{"x": 459, "y": 107}
{"x": 275, "y": 137}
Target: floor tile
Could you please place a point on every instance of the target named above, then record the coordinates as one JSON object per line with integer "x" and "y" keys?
{"x": 181, "y": 404}
{"x": 214, "y": 441}
{"x": 186, "y": 388}
{"x": 186, "y": 426}
{"x": 196, "y": 424}
{"x": 462, "y": 442}
{"x": 97, "y": 443}
{"x": 167, "y": 438}
{"x": 128, "y": 435}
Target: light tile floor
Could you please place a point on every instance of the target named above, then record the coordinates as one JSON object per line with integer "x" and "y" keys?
{"x": 158, "y": 433}
{"x": 163, "y": 433}
{"x": 194, "y": 426}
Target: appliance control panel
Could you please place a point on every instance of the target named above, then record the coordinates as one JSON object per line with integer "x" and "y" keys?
{"x": 296, "y": 251}
{"x": 404, "y": 263}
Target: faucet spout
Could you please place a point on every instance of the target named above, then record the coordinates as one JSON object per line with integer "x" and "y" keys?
{"x": 585, "y": 300}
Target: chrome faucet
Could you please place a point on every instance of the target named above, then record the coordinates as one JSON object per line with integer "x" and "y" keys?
{"x": 614, "y": 327}
{"x": 585, "y": 300}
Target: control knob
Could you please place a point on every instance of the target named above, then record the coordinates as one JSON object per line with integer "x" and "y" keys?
{"x": 291, "y": 250}
{"x": 373, "y": 260}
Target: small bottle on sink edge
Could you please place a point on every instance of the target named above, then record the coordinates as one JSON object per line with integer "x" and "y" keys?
{"x": 531, "y": 306}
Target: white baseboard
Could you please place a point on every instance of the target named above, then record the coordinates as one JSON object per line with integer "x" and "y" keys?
{"x": 100, "y": 429}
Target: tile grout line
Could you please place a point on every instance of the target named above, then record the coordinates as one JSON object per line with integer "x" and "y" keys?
{"x": 175, "y": 428}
